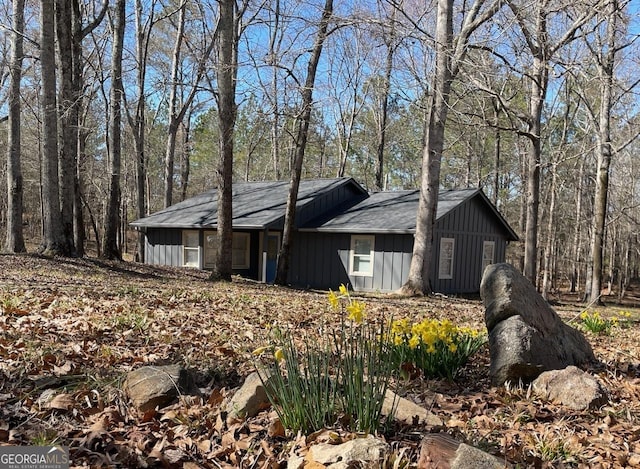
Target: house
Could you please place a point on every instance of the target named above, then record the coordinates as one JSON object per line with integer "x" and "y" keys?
{"x": 343, "y": 235}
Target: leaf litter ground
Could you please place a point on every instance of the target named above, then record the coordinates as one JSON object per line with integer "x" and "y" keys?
{"x": 70, "y": 330}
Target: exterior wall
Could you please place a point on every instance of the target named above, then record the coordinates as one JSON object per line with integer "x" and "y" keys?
{"x": 163, "y": 246}
{"x": 321, "y": 260}
{"x": 469, "y": 225}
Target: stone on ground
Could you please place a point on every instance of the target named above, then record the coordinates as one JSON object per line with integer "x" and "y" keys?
{"x": 149, "y": 387}
{"x": 526, "y": 335}
{"x": 442, "y": 451}
{"x": 368, "y": 452}
{"x": 408, "y": 412}
{"x": 572, "y": 388}
{"x": 249, "y": 400}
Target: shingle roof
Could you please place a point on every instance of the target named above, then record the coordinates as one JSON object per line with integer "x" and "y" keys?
{"x": 259, "y": 205}
{"x": 395, "y": 212}
{"x": 256, "y": 205}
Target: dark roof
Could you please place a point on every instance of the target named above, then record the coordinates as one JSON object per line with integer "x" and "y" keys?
{"x": 256, "y": 205}
{"x": 395, "y": 212}
{"x": 261, "y": 205}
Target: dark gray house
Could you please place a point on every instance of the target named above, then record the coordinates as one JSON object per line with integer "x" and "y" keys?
{"x": 343, "y": 235}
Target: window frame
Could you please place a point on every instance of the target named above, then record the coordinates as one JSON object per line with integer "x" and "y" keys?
{"x": 442, "y": 252}
{"x": 485, "y": 244}
{"x": 247, "y": 251}
{"x": 188, "y": 248}
{"x": 353, "y": 256}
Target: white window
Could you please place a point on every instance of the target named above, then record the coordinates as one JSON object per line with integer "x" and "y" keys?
{"x": 240, "y": 250}
{"x": 362, "y": 255}
{"x": 191, "y": 248}
{"x": 488, "y": 253}
{"x": 445, "y": 266}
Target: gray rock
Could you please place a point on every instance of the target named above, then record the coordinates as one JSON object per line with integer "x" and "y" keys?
{"x": 572, "y": 388}
{"x": 526, "y": 335}
{"x": 443, "y": 451}
{"x": 249, "y": 400}
{"x": 149, "y": 387}
{"x": 407, "y": 411}
{"x": 368, "y": 451}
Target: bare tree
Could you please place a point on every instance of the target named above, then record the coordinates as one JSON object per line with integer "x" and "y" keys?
{"x": 53, "y": 242}
{"x": 449, "y": 54}
{"x": 110, "y": 248}
{"x": 15, "y": 239}
{"x": 227, "y": 50}
{"x": 604, "y": 50}
{"x": 302, "y": 131}
{"x": 179, "y": 106}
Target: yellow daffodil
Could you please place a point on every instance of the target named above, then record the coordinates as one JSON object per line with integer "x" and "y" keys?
{"x": 279, "y": 355}
{"x": 334, "y": 301}
{"x": 261, "y": 350}
{"x": 343, "y": 290}
{"x": 414, "y": 341}
{"x": 356, "y": 311}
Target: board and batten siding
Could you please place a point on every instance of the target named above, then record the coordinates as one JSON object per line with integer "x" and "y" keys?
{"x": 163, "y": 246}
{"x": 470, "y": 225}
{"x": 321, "y": 260}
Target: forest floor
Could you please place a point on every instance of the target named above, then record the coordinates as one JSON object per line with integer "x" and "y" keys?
{"x": 70, "y": 330}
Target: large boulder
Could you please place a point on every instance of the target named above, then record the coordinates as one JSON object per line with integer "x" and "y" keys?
{"x": 526, "y": 335}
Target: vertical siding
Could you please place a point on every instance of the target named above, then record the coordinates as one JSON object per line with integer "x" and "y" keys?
{"x": 469, "y": 225}
{"x": 321, "y": 260}
{"x": 163, "y": 247}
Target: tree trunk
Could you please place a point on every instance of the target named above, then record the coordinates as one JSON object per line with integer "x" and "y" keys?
{"x": 605, "y": 65}
{"x": 227, "y": 69}
{"x": 418, "y": 281}
{"x": 577, "y": 232}
{"x": 53, "y": 242}
{"x": 15, "y": 238}
{"x": 302, "y": 132}
{"x": 68, "y": 119}
{"x": 110, "y": 249}
{"x": 173, "y": 111}
{"x": 185, "y": 160}
{"x": 384, "y": 112}
{"x": 539, "y": 80}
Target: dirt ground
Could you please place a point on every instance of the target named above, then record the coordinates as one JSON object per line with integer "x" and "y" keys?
{"x": 70, "y": 330}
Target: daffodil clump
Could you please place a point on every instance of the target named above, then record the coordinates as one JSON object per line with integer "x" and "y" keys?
{"x": 596, "y": 323}
{"x": 343, "y": 377}
{"x": 438, "y": 348}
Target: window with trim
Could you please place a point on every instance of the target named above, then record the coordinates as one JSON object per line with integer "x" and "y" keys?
{"x": 361, "y": 254}
{"x": 445, "y": 264}
{"x": 240, "y": 250}
{"x": 210, "y": 249}
{"x": 191, "y": 248}
{"x": 488, "y": 253}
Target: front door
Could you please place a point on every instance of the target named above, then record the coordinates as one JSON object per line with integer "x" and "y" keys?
{"x": 273, "y": 245}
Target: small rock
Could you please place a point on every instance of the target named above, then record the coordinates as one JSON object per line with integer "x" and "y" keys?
{"x": 408, "y": 412}
{"x": 368, "y": 451}
{"x": 442, "y": 451}
{"x": 149, "y": 387}
{"x": 249, "y": 400}
{"x": 571, "y": 387}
